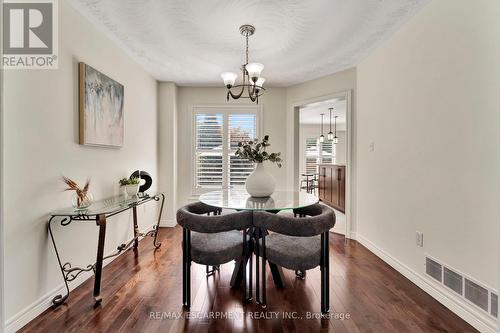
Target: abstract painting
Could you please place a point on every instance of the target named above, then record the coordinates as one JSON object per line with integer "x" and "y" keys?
{"x": 100, "y": 108}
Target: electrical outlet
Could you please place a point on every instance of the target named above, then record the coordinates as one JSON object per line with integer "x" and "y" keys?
{"x": 420, "y": 239}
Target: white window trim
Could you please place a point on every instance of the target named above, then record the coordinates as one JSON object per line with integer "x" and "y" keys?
{"x": 218, "y": 109}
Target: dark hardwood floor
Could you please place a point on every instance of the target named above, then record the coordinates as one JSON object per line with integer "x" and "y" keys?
{"x": 141, "y": 290}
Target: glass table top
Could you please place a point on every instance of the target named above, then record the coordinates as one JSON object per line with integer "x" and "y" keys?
{"x": 241, "y": 200}
{"x": 108, "y": 206}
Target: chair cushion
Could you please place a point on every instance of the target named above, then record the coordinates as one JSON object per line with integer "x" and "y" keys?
{"x": 217, "y": 248}
{"x": 296, "y": 253}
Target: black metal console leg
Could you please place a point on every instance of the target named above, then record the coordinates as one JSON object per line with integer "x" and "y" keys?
{"x": 101, "y": 222}
{"x": 155, "y": 243}
{"x": 59, "y": 299}
{"x": 136, "y": 227}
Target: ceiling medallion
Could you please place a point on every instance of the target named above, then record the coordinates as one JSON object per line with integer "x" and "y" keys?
{"x": 251, "y": 87}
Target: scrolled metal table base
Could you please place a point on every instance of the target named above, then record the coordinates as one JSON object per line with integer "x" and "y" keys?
{"x": 70, "y": 273}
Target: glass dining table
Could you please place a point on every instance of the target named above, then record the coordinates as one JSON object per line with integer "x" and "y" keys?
{"x": 239, "y": 199}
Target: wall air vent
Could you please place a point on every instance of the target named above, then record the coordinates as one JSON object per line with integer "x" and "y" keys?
{"x": 481, "y": 296}
{"x": 494, "y": 305}
{"x": 434, "y": 269}
{"x": 476, "y": 294}
{"x": 453, "y": 280}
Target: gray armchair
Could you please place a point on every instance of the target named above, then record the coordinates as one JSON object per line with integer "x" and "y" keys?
{"x": 212, "y": 239}
{"x": 296, "y": 243}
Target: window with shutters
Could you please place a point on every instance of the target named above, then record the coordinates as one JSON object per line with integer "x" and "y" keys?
{"x": 317, "y": 152}
{"x": 217, "y": 131}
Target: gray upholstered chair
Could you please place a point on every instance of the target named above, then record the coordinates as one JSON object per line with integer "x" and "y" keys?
{"x": 296, "y": 243}
{"x": 212, "y": 239}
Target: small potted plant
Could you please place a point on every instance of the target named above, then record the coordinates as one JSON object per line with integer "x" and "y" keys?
{"x": 131, "y": 185}
{"x": 260, "y": 183}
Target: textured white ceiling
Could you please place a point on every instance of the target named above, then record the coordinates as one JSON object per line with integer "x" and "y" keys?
{"x": 192, "y": 42}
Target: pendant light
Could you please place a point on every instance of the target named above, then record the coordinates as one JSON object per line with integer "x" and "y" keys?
{"x": 335, "y": 138}
{"x": 322, "y": 137}
{"x": 330, "y": 134}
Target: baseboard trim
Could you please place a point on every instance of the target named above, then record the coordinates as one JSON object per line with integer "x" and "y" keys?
{"x": 168, "y": 223}
{"x": 33, "y": 310}
{"x": 464, "y": 310}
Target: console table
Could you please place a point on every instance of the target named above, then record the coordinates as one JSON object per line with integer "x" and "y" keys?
{"x": 99, "y": 211}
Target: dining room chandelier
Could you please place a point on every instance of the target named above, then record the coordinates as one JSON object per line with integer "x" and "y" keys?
{"x": 252, "y": 82}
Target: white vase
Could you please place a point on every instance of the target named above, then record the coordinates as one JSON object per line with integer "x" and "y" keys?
{"x": 132, "y": 189}
{"x": 260, "y": 183}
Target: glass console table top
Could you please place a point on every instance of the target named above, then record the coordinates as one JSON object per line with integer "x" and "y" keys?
{"x": 241, "y": 200}
{"x": 108, "y": 206}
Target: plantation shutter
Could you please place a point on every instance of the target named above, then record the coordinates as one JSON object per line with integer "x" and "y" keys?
{"x": 209, "y": 158}
{"x": 327, "y": 152}
{"x": 312, "y": 155}
{"x": 216, "y": 140}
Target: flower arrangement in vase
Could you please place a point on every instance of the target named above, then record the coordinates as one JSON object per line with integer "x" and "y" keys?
{"x": 82, "y": 198}
{"x": 260, "y": 183}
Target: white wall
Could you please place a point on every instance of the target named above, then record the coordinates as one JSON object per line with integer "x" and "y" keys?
{"x": 167, "y": 152}
{"x": 273, "y": 102}
{"x": 429, "y": 100}
{"x": 41, "y": 144}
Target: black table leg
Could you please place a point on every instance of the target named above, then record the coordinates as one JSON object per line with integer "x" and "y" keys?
{"x": 155, "y": 243}
{"x": 136, "y": 227}
{"x": 59, "y": 299}
{"x": 101, "y": 222}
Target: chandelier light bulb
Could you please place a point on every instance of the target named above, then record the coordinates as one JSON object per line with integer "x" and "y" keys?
{"x": 321, "y": 138}
{"x": 229, "y": 78}
{"x": 330, "y": 136}
{"x": 335, "y": 140}
{"x": 260, "y": 82}
{"x": 254, "y": 69}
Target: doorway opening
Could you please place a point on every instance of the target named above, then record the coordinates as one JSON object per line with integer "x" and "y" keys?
{"x": 322, "y": 149}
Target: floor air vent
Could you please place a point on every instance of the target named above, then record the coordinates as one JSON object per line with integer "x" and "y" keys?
{"x": 473, "y": 292}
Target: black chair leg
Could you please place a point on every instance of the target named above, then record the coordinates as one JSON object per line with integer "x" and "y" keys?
{"x": 327, "y": 271}
{"x": 184, "y": 258}
{"x": 257, "y": 265}
{"x": 263, "y": 302}
{"x": 186, "y": 269}
{"x": 325, "y": 292}
{"x": 250, "y": 264}
{"x": 244, "y": 264}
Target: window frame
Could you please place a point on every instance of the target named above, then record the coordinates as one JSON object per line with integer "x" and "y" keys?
{"x": 225, "y": 110}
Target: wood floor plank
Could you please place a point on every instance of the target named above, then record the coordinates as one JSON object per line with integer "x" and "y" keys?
{"x": 142, "y": 292}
